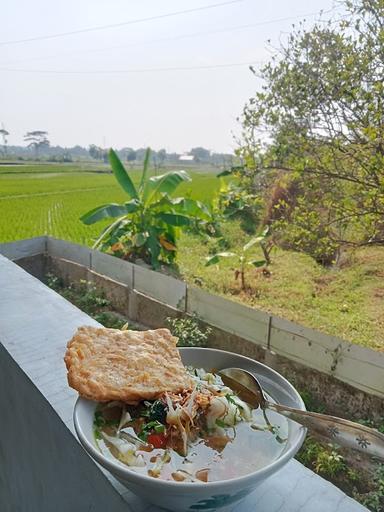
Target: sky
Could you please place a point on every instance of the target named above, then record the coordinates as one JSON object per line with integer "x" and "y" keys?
{"x": 174, "y": 81}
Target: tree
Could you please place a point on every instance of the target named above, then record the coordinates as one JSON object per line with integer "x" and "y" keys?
{"x": 158, "y": 159}
{"x": 4, "y": 135}
{"x": 131, "y": 156}
{"x": 95, "y": 152}
{"x": 322, "y": 108}
{"x": 149, "y": 222}
{"x": 37, "y": 140}
{"x": 201, "y": 154}
{"x": 161, "y": 156}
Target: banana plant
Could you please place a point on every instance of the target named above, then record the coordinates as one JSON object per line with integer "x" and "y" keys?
{"x": 242, "y": 258}
{"x": 148, "y": 224}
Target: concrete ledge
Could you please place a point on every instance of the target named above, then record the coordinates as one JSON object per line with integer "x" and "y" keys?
{"x": 161, "y": 287}
{"x": 24, "y": 248}
{"x": 69, "y": 251}
{"x": 228, "y": 315}
{"x": 112, "y": 267}
{"x": 150, "y": 312}
{"x": 116, "y": 293}
{"x": 34, "y": 265}
{"x": 68, "y": 271}
{"x": 354, "y": 365}
{"x": 44, "y": 468}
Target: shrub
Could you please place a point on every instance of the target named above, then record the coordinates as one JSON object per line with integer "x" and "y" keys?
{"x": 329, "y": 463}
{"x": 189, "y": 331}
{"x": 242, "y": 257}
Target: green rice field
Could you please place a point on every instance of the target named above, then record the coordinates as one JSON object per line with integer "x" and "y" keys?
{"x": 49, "y": 199}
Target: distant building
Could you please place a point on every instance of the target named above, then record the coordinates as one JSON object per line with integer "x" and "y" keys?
{"x": 186, "y": 158}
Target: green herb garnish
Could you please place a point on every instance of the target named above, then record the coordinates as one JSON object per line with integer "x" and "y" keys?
{"x": 156, "y": 426}
{"x": 99, "y": 420}
{"x": 157, "y": 411}
{"x": 96, "y": 433}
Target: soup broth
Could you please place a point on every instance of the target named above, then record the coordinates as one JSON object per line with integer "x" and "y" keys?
{"x": 219, "y": 445}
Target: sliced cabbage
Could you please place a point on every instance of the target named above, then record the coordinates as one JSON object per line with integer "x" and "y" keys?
{"x": 245, "y": 410}
{"x": 124, "y": 419}
{"x": 227, "y": 411}
{"x": 126, "y": 451}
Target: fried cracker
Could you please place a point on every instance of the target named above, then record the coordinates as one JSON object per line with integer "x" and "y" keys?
{"x": 109, "y": 364}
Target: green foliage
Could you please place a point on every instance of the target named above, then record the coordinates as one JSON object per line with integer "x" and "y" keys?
{"x": 304, "y": 231}
{"x": 352, "y": 475}
{"x": 189, "y": 331}
{"x": 309, "y": 452}
{"x": 242, "y": 257}
{"x": 324, "y": 459}
{"x": 322, "y": 106}
{"x": 84, "y": 294}
{"x": 89, "y": 299}
{"x": 156, "y": 411}
{"x": 329, "y": 463}
{"x": 296, "y": 224}
{"x": 149, "y": 223}
{"x": 374, "y": 499}
{"x": 96, "y": 152}
{"x": 54, "y": 282}
{"x": 378, "y": 424}
{"x": 110, "y": 320}
{"x": 311, "y": 403}
{"x": 37, "y": 139}
{"x": 234, "y": 201}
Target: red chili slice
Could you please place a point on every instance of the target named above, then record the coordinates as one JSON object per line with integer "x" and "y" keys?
{"x": 157, "y": 440}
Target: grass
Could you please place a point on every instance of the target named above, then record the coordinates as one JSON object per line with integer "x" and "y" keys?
{"x": 345, "y": 302}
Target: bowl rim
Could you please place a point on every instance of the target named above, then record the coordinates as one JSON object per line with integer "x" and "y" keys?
{"x": 137, "y": 478}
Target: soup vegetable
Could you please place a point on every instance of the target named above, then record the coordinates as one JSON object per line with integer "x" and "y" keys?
{"x": 203, "y": 434}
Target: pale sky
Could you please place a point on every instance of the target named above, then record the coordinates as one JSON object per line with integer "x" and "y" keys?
{"x": 113, "y": 87}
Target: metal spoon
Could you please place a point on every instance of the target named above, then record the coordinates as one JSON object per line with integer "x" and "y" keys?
{"x": 343, "y": 432}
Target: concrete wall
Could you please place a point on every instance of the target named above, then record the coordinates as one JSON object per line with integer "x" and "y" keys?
{"x": 24, "y": 248}
{"x": 43, "y": 468}
{"x": 355, "y": 374}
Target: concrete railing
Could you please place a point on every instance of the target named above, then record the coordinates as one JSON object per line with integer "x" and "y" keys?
{"x": 357, "y": 366}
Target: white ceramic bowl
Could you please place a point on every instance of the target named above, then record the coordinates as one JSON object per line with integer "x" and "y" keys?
{"x": 182, "y": 497}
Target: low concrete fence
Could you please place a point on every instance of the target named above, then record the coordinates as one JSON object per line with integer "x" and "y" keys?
{"x": 274, "y": 337}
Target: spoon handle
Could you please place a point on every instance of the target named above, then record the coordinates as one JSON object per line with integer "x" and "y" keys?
{"x": 343, "y": 432}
